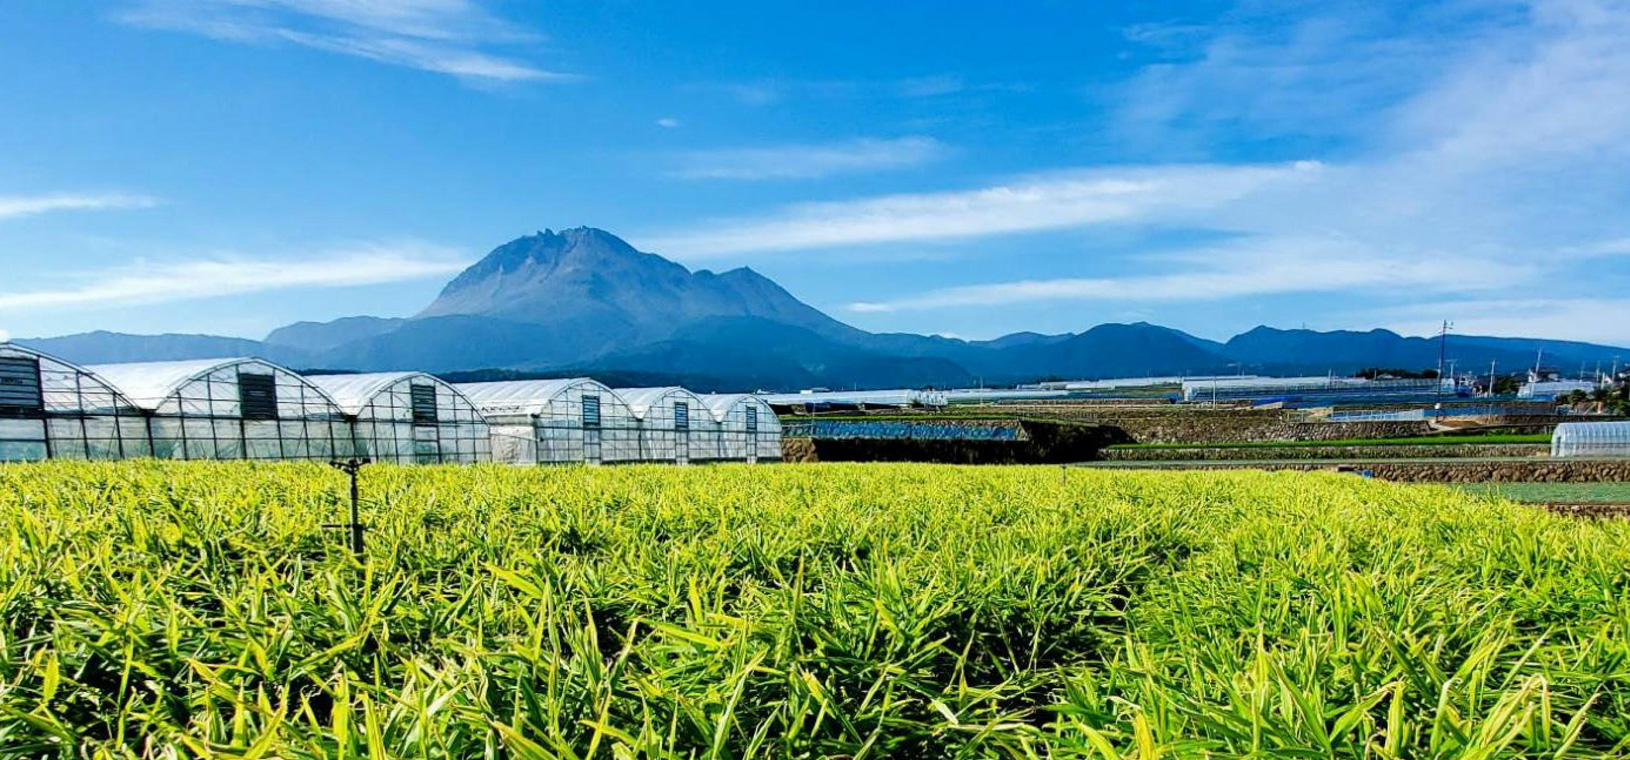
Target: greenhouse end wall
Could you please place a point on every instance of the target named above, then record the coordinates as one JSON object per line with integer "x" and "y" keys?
{"x": 50, "y": 408}
{"x": 234, "y": 409}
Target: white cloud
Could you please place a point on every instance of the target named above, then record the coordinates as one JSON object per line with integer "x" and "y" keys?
{"x": 1050, "y": 201}
{"x": 29, "y": 205}
{"x": 145, "y": 283}
{"x": 1596, "y": 320}
{"x": 1479, "y": 147}
{"x": 4, "y": 336}
{"x": 451, "y": 37}
{"x": 809, "y": 161}
{"x": 668, "y": 122}
{"x": 1249, "y": 268}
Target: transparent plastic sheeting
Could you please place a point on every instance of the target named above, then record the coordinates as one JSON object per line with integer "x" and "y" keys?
{"x": 1591, "y": 439}
{"x": 52, "y": 409}
{"x": 749, "y": 431}
{"x": 409, "y": 418}
{"x": 675, "y": 425}
{"x": 232, "y": 409}
{"x": 574, "y": 420}
{"x": 252, "y": 409}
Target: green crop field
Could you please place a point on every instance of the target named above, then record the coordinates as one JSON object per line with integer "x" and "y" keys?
{"x": 1424, "y": 440}
{"x": 1556, "y": 493}
{"x": 201, "y": 610}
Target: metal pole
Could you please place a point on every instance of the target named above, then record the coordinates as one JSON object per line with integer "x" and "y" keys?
{"x": 351, "y": 467}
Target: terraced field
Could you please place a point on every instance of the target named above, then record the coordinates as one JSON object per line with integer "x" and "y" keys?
{"x": 201, "y": 610}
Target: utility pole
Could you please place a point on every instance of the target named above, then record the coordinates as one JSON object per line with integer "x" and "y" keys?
{"x": 351, "y": 467}
{"x": 1443, "y": 350}
{"x": 1492, "y": 364}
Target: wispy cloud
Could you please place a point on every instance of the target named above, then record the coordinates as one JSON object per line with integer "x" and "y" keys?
{"x": 1475, "y": 151}
{"x": 29, "y": 205}
{"x": 145, "y": 283}
{"x": 454, "y": 37}
{"x": 1054, "y": 200}
{"x": 809, "y": 161}
{"x": 1598, "y": 320}
{"x": 1248, "y": 268}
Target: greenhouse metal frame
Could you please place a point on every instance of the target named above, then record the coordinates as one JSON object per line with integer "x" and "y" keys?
{"x": 408, "y": 418}
{"x": 749, "y": 430}
{"x": 1591, "y": 439}
{"x": 51, "y": 408}
{"x": 232, "y": 409}
{"x": 675, "y": 425}
{"x": 567, "y": 421}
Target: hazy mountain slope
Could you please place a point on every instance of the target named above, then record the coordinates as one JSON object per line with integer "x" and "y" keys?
{"x": 102, "y": 347}
{"x": 1265, "y": 349}
{"x": 323, "y": 336}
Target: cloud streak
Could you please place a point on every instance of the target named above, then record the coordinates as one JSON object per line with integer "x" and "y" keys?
{"x": 143, "y": 283}
{"x": 809, "y": 161}
{"x": 1252, "y": 268}
{"x": 1051, "y": 201}
{"x": 30, "y": 205}
{"x": 453, "y": 37}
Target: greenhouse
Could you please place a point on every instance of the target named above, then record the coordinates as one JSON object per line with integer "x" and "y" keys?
{"x": 52, "y": 409}
{"x": 232, "y": 409}
{"x": 408, "y": 418}
{"x": 1591, "y": 439}
{"x": 749, "y": 431}
{"x": 575, "y": 420}
{"x": 675, "y": 425}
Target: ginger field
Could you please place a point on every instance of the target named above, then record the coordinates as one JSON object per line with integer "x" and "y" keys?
{"x": 171, "y": 610}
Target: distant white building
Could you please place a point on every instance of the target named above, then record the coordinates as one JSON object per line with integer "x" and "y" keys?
{"x": 1546, "y": 390}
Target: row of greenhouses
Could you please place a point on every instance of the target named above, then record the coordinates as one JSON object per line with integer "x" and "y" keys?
{"x": 253, "y": 409}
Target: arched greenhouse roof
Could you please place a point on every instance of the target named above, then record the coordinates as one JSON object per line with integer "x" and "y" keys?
{"x": 720, "y": 404}
{"x": 641, "y": 399}
{"x": 525, "y": 396}
{"x": 148, "y": 384}
{"x": 45, "y": 358}
{"x": 354, "y": 392}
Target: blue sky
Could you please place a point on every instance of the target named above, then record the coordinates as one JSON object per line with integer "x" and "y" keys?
{"x": 228, "y": 166}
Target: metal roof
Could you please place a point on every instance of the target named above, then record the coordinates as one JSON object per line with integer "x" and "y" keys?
{"x": 147, "y": 384}
{"x": 522, "y": 396}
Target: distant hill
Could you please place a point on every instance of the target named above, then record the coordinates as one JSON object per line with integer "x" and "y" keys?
{"x": 583, "y": 301}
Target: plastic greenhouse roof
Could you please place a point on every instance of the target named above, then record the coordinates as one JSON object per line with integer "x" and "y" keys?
{"x": 720, "y": 403}
{"x": 353, "y": 392}
{"x": 641, "y": 399}
{"x": 13, "y": 348}
{"x": 147, "y": 384}
{"x": 521, "y": 396}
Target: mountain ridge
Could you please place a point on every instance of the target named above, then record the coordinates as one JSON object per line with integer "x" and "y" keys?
{"x": 583, "y": 300}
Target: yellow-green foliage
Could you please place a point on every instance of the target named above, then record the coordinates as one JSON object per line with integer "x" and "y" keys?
{"x": 181, "y": 610}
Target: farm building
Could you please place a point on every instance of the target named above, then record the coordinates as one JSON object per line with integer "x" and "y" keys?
{"x": 53, "y": 409}
{"x": 675, "y": 425}
{"x": 749, "y": 431}
{"x": 574, "y": 420}
{"x": 1591, "y": 439}
{"x": 408, "y": 418}
{"x": 231, "y": 409}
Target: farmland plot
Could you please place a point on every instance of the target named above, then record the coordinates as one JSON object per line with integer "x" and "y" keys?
{"x": 189, "y": 610}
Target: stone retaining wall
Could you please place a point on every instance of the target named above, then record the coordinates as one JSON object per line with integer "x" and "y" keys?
{"x": 1223, "y": 453}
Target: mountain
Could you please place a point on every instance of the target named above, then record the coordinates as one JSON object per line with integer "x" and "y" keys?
{"x": 324, "y": 336}
{"x": 593, "y": 284}
{"x": 583, "y": 301}
{"x": 1272, "y": 351}
{"x": 102, "y": 347}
